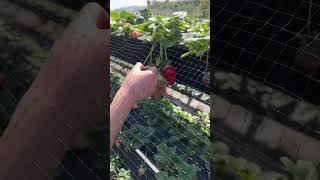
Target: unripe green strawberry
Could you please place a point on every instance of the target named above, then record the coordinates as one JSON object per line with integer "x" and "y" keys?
{"x": 141, "y": 171}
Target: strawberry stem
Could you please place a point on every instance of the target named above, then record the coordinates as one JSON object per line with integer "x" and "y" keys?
{"x": 150, "y": 53}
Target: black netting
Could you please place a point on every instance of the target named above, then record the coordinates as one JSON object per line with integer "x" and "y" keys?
{"x": 169, "y": 132}
{"x": 190, "y": 71}
{"x": 162, "y": 130}
{"x": 266, "y": 80}
{"x": 23, "y": 50}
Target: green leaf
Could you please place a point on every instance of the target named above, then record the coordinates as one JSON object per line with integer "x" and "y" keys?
{"x": 220, "y": 148}
{"x": 164, "y": 176}
{"x": 287, "y": 162}
{"x": 129, "y": 17}
{"x": 115, "y": 15}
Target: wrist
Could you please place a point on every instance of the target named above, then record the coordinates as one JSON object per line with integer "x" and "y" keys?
{"x": 125, "y": 93}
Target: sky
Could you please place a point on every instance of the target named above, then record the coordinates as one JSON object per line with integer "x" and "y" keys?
{"x": 115, "y": 4}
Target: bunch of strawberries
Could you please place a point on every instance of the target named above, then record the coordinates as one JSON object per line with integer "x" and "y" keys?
{"x": 168, "y": 72}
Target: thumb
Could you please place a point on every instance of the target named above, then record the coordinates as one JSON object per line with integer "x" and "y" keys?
{"x": 150, "y": 71}
{"x": 138, "y": 66}
{"x": 153, "y": 70}
{"x": 82, "y": 42}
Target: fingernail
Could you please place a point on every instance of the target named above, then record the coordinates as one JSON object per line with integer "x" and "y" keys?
{"x": 103, "y": 21}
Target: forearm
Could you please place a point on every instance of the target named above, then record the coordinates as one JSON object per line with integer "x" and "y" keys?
{"x": 41, "y": 130}
{"x": 34, "y": 134}
{"x": 119, "y": 110}
{"x": 68, "y": 96}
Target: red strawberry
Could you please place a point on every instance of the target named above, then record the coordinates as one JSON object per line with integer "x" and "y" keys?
{"x": 135, "y": 34}
{"x": 169, "y": 74}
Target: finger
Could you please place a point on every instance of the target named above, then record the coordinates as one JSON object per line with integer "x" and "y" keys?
{"x": 83, "y": 29}
{"x": 103, "y": 21}
{"x": 81, "y": 43}
{"x": 153, "y": 70}
{"x": 90, "y": 15}
{"x": 139, "y": 66}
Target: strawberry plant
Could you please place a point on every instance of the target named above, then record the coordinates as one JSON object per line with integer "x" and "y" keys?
{"x": 162, "y": 175}
{"x": 117, "y": 173}
{"x": 300, "y": 170}
{"x": 168, "y": 161}
{"x": 228, "y": 166}
{"x": 163, "y": 33}
{"x": 177, "y": 126}
{"x": 137, "y": 136}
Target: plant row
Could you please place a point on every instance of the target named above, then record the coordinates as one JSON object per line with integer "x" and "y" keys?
{"x": 178, "y": 141}
{"x": 298, "y": 111}
{"x": 227, "y": 166}
{"x": 164, "y": 31}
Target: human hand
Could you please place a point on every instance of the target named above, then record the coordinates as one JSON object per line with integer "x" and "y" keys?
{"x": 141, "y": 82}
{"x": 68, "y": 96}
{"x": 75, "y": 77}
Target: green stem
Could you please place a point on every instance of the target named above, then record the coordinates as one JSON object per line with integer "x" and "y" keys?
{"x": 161, "y": 55}
{"x": 166, "y": 56}
{"x": 150, "y": 53}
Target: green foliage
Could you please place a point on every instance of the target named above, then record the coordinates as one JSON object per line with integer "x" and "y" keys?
{"x": 164, "y": 176}
{"x": 198, "y": 41}
{"x": 116, "y": 80}
{"x": 192, "y": 92}
{"x": 204, "y": 6}
{"x": 165, "y": 32}
{"x": 227, "y": 165}
{"x": 196, "y": 46}
{"x": 145, "y": 13}
{"x": 163, "y": 112}
{"x": 168, "y": 160}
{"x": 137, "y": 136}
{"x": 194, "y": 9}
{"x": 232, "y": 167}
{"x": 181, "y": 125}
{"x": 301, "y": 170}
{"x": 124, "y": 175}
{"x": 114, "y": 15}
{"x": 269, "y": 98}
{"x": 129, "y": 17}
{"x": 116, "y": 170}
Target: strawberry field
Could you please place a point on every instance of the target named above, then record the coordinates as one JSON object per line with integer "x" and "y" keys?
{"x": 265, "y": 85}
{"x": 163, "y": 138}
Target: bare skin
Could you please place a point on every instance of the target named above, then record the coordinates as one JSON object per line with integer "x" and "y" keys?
{"x": 68, "y": 96}
{"x": 140, "y": 83}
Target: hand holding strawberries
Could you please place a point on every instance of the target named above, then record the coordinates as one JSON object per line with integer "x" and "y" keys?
{"x": 141, "y": 82}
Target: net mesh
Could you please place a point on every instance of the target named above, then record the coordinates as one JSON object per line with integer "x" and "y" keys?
{"x": 266, "y": 78}
{"x": 140, "y": 120}
{"x": 169, "y": 131}
{"x": 23, "y": 51}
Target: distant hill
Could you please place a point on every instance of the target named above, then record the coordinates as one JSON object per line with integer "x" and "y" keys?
{"x": 131, "y": 8}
